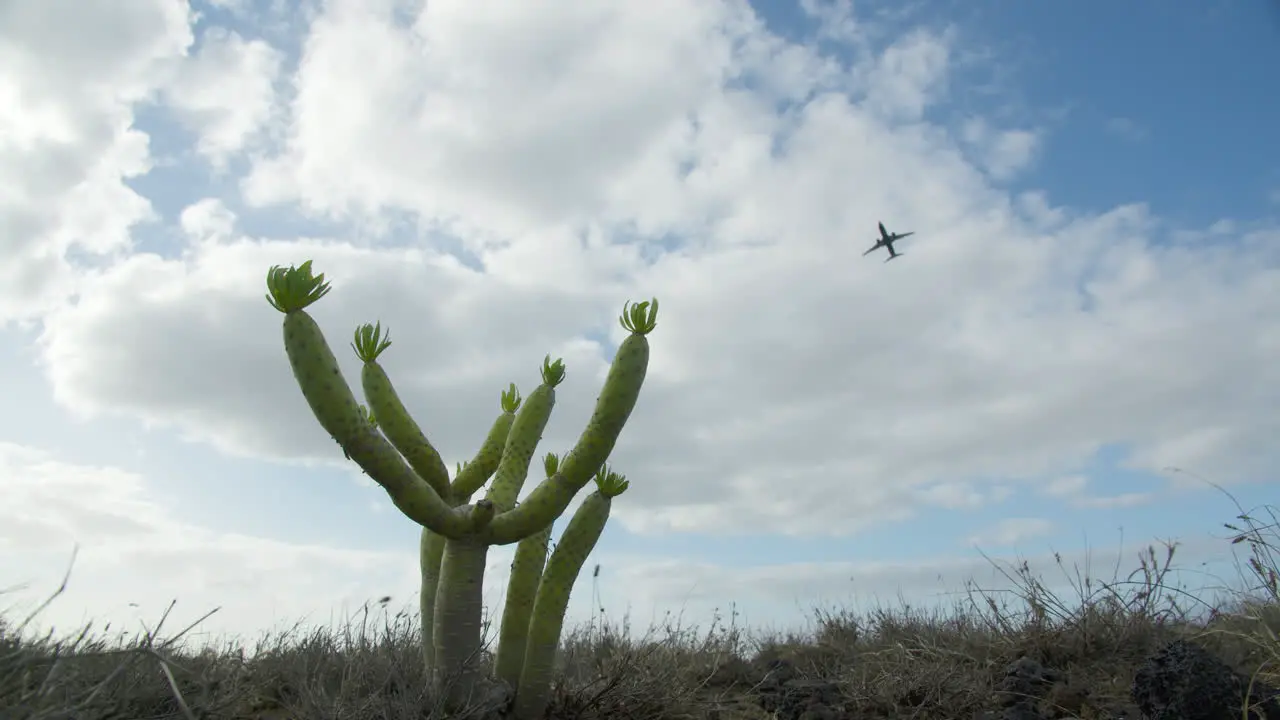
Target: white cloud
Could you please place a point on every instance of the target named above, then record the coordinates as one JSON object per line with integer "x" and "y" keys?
{"x": 66, "y": 91}
{"x": 909, "y": 76}
{"x": 503, "y": 122}
{"x": 1122, "y": 500}
{"x": 207, "y": 219}
{"x": 1011, "y": 531}
{"x": 1066, "y": 486}
{"x": 225, "y": 92}
{"x": 1071, "y": 488}
{"x": 1003, "y": 153}
{"x": 1011, "y": 348}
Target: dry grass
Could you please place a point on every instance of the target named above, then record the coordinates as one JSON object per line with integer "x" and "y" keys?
{"x": 890, "y": 663}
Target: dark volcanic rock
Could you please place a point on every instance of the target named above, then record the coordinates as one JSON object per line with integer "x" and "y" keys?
{"x": 790, "y": 697}
{"x": 1183, "y": 681}
{"x": 1025, "y": 681}
{"x": 1180, "y": 681}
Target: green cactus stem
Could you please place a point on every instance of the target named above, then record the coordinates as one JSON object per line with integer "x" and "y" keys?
{"x": 617, "y": 397}
{"x": 312, "y": 361}
{"x": 613, "y": 407}
{"x": 523, "y": 439}
{"x": 522, "y": 590}
{"x": 476, "y": 473}
{"x": 430, "y": 556}
{"x": 469, "y": 477}
{"x": 463, "y": 610}
{"x": 458, "y": 619}
{"x": 373, "y": 423}
{"x": 320, "y": 378}
{"x": 395, "y": 420}
{"x": 547, "y": 622}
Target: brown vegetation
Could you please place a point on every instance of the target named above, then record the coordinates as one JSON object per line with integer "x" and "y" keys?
{"x": 893, "y": 663}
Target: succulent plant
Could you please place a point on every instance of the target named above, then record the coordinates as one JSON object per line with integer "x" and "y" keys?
{"x": 390, "y": 447}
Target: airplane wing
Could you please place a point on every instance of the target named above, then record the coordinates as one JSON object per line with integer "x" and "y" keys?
{"x": 913, "y": 232}
{"x": 874, "y": 248}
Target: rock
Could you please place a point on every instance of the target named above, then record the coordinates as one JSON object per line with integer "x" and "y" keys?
{"x": 790, "y": 697}
{"x": 1018, "y": 693}
{"x": 1031, "y": 691}
{"x": 493, "y": 700}
{"x": 1183, "y": 681}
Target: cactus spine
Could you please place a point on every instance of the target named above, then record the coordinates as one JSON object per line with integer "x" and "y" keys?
{"x": 389, "y": 446}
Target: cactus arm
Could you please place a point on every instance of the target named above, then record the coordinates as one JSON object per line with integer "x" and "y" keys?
{"x": 430, "y": 555}
{"x": 319, "y": 377}
{"x": 475, "y": 473}
{"x": 393, "y": 418}
{"x": 576, "y": 543}
{"x": 539, "y": 509}
{"x": 413, "y": 497}
{"x": 613, "y": 407}
{"x": 617, "y": 397}
{"x": 522, "y": 590}
{"x": 334, "y": 405}
{"x": 523, "y": 439}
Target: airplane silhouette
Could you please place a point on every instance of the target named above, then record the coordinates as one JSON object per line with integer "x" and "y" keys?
{"x": 887, "y": 240}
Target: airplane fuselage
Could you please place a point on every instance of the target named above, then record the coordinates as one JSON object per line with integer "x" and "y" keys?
{"x": 886, "y": 240}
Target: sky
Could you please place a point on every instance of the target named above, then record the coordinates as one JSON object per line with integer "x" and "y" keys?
{"x": 1091, "y": 296}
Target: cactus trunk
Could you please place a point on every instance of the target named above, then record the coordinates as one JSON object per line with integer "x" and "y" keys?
{"x": 458, "y": 619}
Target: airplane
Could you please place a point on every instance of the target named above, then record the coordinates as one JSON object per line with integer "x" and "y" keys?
{"x": 887, "y": 240}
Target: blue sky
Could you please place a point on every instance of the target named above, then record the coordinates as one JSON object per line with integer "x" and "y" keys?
{"x": 1090, "y": 297}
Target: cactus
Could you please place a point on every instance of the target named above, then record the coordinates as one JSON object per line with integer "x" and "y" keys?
{"x": 389, "y": 446}
{"x": 522, "y": 591}
{"x": 547, "y": 620}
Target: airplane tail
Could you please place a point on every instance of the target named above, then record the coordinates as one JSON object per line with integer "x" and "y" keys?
{"x": 895, "y": 255}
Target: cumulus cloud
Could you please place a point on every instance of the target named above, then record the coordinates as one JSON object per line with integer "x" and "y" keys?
{"x": 1003, "y": 153}
{"x": 1022, "y": 339}
{"x": 225, "y": 92}
{"x": 515, "y": 118}
{"x": 1073, "y": 490}
{"x": 207, "y": 220}
{"x": 1011, "y": 531}
{"x": 66, "y": 146}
